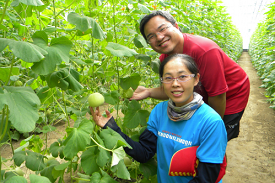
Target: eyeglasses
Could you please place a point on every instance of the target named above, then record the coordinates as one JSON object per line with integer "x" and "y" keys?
{"x": 152, "y": 37}
{"x": 181, "y": 78}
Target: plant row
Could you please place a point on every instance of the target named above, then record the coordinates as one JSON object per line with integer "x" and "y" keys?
{"x": 261, "y": 50}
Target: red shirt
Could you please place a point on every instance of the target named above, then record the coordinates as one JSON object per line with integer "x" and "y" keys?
{"x": 219, "y": 73}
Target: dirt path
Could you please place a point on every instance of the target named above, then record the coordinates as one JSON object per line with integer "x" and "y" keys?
{"x": 251, "y": 156}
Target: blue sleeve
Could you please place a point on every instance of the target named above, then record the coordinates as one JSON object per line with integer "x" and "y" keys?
{"x": 143, "y": 150}
{"x": 213, "y": 141}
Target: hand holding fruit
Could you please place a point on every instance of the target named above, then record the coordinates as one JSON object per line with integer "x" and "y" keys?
{"x": 98, "y": 118}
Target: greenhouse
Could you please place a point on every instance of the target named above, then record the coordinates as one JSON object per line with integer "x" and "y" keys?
{"x": 140, "y": 91}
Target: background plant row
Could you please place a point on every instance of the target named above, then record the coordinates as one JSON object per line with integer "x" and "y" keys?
{"x": 262, "y": 52}
{"x": 60, "y": 52}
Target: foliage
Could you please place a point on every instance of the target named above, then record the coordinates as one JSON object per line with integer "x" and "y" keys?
{"x": 54, "y": 54}
{"x": 261, "y": 50}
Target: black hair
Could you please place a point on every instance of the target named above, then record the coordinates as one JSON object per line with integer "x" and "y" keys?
{"x": 148, "y": 17}
{"x": 186, "y": 59}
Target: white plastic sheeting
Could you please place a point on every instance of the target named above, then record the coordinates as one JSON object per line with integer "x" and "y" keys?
{"x": 246, "y": 14}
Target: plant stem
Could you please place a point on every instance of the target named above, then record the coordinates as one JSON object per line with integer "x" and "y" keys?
{"x": 12, "y": 62}
{"x": 64, "y": 9}
{"x": 100, "y": 145}
{"x": 4, "y": 12}
{"x": 66, "y": 113}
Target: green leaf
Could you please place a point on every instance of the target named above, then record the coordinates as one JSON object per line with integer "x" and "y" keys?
{"x": 140, "y": 42}
{"x": 89, "y": 160}
{"x": 4, "y": 76}
{"x": 149, "y": 168}
{"x": 19, "y": 157}
{"x": 144, "y": 9}
{"x": 155, "y": 66}
{"x": 120, "y": 50}
{"x": 84, "y": 23}
{"x": 131, "y": 81}
{"x": 32, "y": 2}
{"x": 34, "y": 161}
{"x": 62, "y": 166}
{"x": 135, "y": 115}
{"x": 105, "y": 178}
{"x": 16, "y": 179}
{"x": 110, "y": 138}
{"x": 28, "y": 52}
{"x": 58, "y": 51}
{"x": 121, "y": 170}
{"x": 78, "y": 138}
{"x": 36, "y": 178}
{"x": 23, "y": 104}
{"x": 111, "y": 98}
{"x": 57, "y": 148}
{"x": 65, "y": 79}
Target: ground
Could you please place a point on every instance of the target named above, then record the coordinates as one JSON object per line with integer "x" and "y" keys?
{"x": 251, "y": 156}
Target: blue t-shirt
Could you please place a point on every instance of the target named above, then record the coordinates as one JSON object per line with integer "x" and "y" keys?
{"x": 205, "y": 129}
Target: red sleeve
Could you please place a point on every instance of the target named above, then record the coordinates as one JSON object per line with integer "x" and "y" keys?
{"x": 211, "y": 68}
{"x": 162, "y": 57}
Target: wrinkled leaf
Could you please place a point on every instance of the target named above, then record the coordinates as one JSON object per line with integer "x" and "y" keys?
{"x": 118, "y": 155}
{"x": 121, "y": 170}
{"x": 89, "y": 160}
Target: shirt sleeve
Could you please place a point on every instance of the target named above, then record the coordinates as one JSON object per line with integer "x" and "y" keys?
{"x": 141, "y": 151}
{"x": 211, "y": 66}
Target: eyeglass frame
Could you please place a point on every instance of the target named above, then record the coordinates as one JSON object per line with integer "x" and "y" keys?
{"x": 161, "y": 31}
{"x": 176, "y": 78}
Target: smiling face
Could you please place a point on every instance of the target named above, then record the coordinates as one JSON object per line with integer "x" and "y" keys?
{"x": 181, "y": 93}
{"x": 170, "y": 42}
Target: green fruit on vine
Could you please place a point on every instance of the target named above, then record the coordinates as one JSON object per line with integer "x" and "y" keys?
{"x": 95, "y": 100}
{"x": 18, "y": 171}
{"x": 18, "y": 83}
{"x": 127, "y": 161}
{"x": 128, "y": 93}
{"x": 48, "y": 158}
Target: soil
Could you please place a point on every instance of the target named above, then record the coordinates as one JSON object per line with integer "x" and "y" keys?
{"x": 251, "y": 156}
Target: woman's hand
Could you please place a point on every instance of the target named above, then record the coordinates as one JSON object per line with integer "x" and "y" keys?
{"x": 98, "y": 118}
{"x": 140, "y": 93}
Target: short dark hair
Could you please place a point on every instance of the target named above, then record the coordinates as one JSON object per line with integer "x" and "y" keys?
{"x": 186, "y": 59}
{"x": 148, "y": 17}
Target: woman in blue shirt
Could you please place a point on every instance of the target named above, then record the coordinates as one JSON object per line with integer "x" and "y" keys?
{"x": 182, "y": 122}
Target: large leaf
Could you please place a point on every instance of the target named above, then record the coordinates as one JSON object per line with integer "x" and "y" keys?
{"x": 118, "y": 155}
{"x": 23, "y": 104}
{"x": 78, "y": 139}
{"x": 111, "y": 138}
{"x": 34, "y": 161}
{"x": 111, "y": 98}
{"x": 89, "y": 160}
{"x": 140, "y": 42}
{"x": 5, "y": 71}
{"x": 58, "y": 51}
{"x": 135, "y": 115}
{"x": 28, "y": 52}
{"x": 131, "y": 81}
{"x": 84, "y": 23}
{"x": 120, "y": 50}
